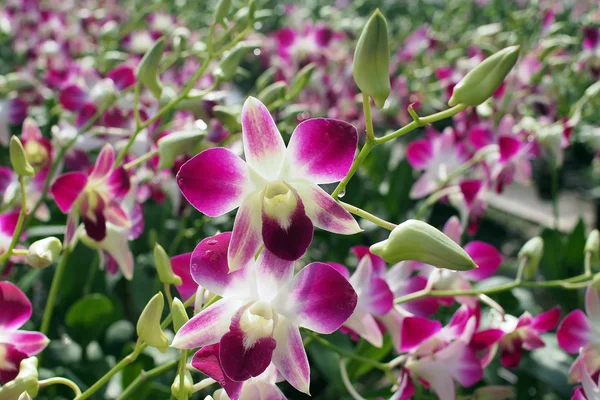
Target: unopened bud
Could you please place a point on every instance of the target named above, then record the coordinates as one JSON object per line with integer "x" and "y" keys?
{"x": 176, "y": 144}
{"x": 148, "y": 69}
{"x": 372, "y": 60}
{"x": 592, "y": 246}
{"x": 272, "y": 93}
{"x": 418, "y": 241}
{"x": 222, "y": 11}
{"x": 483, "y": 80}
{"x": 300, "y": 81}
{"x": 44, "y": 252}
{"x": 231, "y": 61}
{"x": 26, "y": 381}
{"x": 180, "y": 316}
{"x": 533, "y": 251}
{"x": 18, "y": 158}
{"x": 163, "y": 266}
{"x": 24, "y": 396}
{"x": 188, "y": 385}
{"x": 16, "y": 81}
{"x": 148, "y": 326}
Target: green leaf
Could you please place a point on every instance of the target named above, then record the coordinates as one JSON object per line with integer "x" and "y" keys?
{"x": 89, "y": 316}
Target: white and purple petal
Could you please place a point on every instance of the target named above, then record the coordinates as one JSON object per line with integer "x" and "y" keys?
{"x": 104, "y": 163}
{"x": 206, "y": 360}
{"x": 181, "y": 267}
{"x": 289, "y": 356}
{"x": 67, "y": 188}
{"x": 27, "y": 342}
{"x": 15, "y": 307}
{"x": 246, "y": 237}
{"x": 574, "y": 332}
{"x": 272, "y": 274}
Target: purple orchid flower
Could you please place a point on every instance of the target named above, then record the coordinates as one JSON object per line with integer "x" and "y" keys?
{"x": 16, "y": 345}
{"x": 578, "y": 333}
{"x": 95, "y": 197}
{"x": 261, "y": 387}
{"x": 262, "y": 307}
{"x": 276, "y": 189}
{"x": 12, "y": 112}
{"x": 589, "y": 390}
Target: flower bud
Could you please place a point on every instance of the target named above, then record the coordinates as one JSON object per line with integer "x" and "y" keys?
{"x": 419, "y": 241}
{"x": 222, "y": 11}
{"x": 148, "y": 326}
{"x": 231, "y": 61}
{"x": 180, "y": 316}
{"x": 176, "y": 144}
{"x": 592, "y": 246}
{"x": 24, "y": 396}
{"x": 16, "y": 81}
{"x": 372, "y": 60}
{"x": 188, "y": 385}
{"x": 533, "y": 250}
{"x": 26, "y": 381}
{"x": 163, "y": 266}
{"x": 148, "y": 69}
{"x": 300, "y": 81}
{"x": 483, "y": 80}
{"x": 44, "y": 252}
{"x": 18, "y": 158}
{"x": 272, "y": 93}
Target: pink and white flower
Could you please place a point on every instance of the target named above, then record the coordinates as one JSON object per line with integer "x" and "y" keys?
{"x": 276, "y": 189}
{"x": 579, "y": 333}
{"x": 589, "y": 390}
{"x": 16, "y": 345}
{"x": 263, "y": 306}
{"x": 95, "y": 197}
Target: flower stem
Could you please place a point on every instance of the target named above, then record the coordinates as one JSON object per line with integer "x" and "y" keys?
{"x": 143, "y": 376}
{"x": 555, "y": 196}
{"x": 60, "y": 381}
{"x": 182, "y": 370}
{"x": 17, "y": 233}
{"x": 346, "y": 380}
{"x": 368, "y": 216}
{"x": 364, "y": 152}
{"x": 368, "y": 118}
{"x": 203, "y": 384}
{"x": 54, "y": 288}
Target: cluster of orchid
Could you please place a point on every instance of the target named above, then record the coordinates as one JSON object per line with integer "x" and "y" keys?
{"x": 116, "y": 110}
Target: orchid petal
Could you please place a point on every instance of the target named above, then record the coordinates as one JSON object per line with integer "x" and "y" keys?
{"x": 206, "y": 360}
{"x": 574, "y": 332}
{"x": 318, "y": 298}
{"x": 104, "y": 162}
{"x": 453, "y": 229}
{"x": 366, "y": 327}
{"x": 246, "y": 237}
{"x": 8, "y": 223}
{"x": 272, "y": 274}
{"x": 321, "y": 150}
{"x": 29, "y": 343}
{"x": 592, "y": 306}
{"x": 419, "y": 153}
{"x": 487, "y": 258}
{"x": 214, "y": 181}
{"x": 241, "y": 362}
{"x": 415, "y": 330}
{"x": 10, "y": 358}
{"x": 15, "y": 307}
{"x": 289, "y": 356}
{"x": 379, "y": 265}
{"x": 181, "y": 267}
{"x": 263, "y": 145}
{"x": 66, "y": 188}
{"x": 546, "y": 321}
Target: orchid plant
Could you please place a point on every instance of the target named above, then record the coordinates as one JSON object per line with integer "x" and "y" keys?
{"x": 131, "y": 127}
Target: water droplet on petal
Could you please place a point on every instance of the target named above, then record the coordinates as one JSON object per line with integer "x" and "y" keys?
{"x": 212, "y": 242}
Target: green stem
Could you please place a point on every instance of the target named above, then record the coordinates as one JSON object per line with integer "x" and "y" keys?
{"x": 368, "y": 216}
{"x": 120, "y": 365}
{"x": 54, "y": 288}
{"x": 167, "y": 289}
{"x": 432, "y": 199}
{"x": 17, "y": 234}
{"x": 182, "y": 370}
{"x": 136, "y": 104}
{"x": 364, "y": 152}
{"x": 368, "y": 118}
{"x": 555, "y": 196}
{"x": 143, "y": 376}
{"x": 60, "y": 381}
{"x": 587, "y": 264}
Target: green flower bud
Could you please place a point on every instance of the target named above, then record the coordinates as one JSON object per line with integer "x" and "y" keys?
{"x": 44, "y": 252}
{"x": 188, "y": 385}
{"x": 163, "y": 266}
{"x": 533, "y": 250}
{"x": 18, "y": 158}
{"x": 592, "y": 246}
{"x": 176, "y": 144}
{"x": 272, "y": 93}
{"x": 148, "y": 326}
{"x": 231, "y": 61}
{"x": 483, "y": 80}
{"x": 300, "y": 81}
{"x": 24, "y": 396}
{"x": 26, "y": 381}
{"x": 229, "y": 117}
{"x": 419, "y": 241}
{"x": 372, "y": 60}
{"x": 16, "y": 81}
{"x": 180, "y": 316}
{"x": 222, "y": 11}
{"x": 148, "y": 69}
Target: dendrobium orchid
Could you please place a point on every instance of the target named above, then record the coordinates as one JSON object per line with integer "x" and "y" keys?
{"x": 589, "y": 390}
{"x": 276, "y": 188}
{"x": 263, "y": 306}
{"x": 16, "y": 345}
{"x": 579, "y": 333}
{"x": 95, "y": 197}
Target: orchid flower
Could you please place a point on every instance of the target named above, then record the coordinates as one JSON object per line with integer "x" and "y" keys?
{"x": 589, "y": 390}
{"x": 524, "y": 333}
{"x": 16, "y": 345}
{"x": 10, "y": 188}
{"x": 375, "y": 310}
{"x": 579, "y": 332}
{"x": 37, "y": 147}
{"x": 276, "y": 188}
{"x": 263, "y": 306}
{"x": 261, "y": 387}
{"x": 8, "y": 225}
{"x": 438, "y": 155}
{"x": 181, "y": 267}
{"x": 305, "y": 46}
{"x": 12, "y": 112}
{"x": 95, "y": 197}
